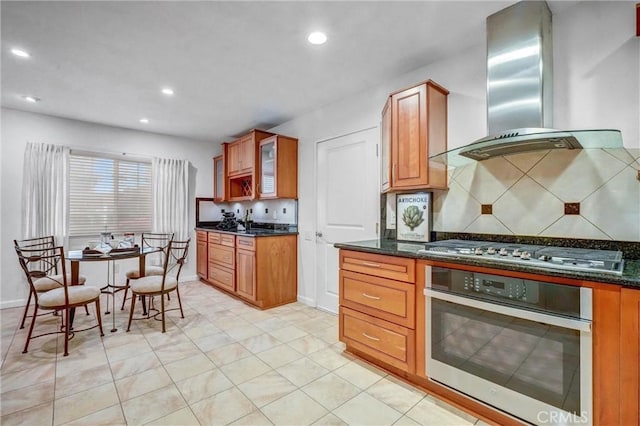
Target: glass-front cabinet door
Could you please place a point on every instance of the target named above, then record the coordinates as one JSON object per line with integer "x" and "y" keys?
{"x": 268, "y": 163}
{"x": 385, "y": 143}
{"x": 219, "y": 179}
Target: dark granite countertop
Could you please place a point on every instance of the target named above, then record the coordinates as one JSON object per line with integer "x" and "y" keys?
{"x": 630, "y": 276}
{"x": 254, "y": 232}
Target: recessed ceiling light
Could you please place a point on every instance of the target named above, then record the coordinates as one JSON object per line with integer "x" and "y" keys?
{"x": 167, "y": 91}
{"x": 31, "y": 99}
{"x": 144, "y": 120}
{"x": 19, "y": 52}
{"x": 317, "y": 38}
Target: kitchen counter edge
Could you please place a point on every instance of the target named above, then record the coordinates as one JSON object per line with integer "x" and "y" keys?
{"x": 263, "y": 232}
{"x": 630, "y": 276}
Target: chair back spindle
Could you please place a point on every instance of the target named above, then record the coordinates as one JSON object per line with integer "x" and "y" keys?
{"x": 41, "y": 262}
{"x": 174, "y": 260}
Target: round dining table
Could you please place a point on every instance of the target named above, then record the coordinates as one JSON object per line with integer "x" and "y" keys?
{"x": 86, "y": 255}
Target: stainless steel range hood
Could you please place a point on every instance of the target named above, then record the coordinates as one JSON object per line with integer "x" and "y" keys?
{"x": 520, "y": 89}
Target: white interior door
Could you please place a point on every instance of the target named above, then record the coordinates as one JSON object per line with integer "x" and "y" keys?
{"x": 348, "y": 204}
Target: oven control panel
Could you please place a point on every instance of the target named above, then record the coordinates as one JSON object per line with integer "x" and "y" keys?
{"x": 496, "y": 286}
{"x": 539, "y": 296}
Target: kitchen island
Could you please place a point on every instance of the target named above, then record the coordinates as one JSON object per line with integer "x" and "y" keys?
{"x": 385, "y": 320}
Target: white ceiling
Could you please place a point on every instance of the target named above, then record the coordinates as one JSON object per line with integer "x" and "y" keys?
{"x": 233, "y": 65}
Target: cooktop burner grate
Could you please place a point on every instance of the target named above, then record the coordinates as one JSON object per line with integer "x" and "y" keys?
{"x": 567, "y": 258}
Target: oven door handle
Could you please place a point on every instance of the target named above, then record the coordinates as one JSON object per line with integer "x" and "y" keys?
{"x": 573, "y": 324}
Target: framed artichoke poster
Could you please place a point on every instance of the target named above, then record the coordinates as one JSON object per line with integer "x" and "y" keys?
{"x": 413, "y": 216}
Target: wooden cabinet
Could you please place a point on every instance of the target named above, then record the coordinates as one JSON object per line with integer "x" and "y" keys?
{"x": 267, "y": 270}
{"x": 201, "y": 254}
{"x": 605, "y": 331}
{"x": 261, "y": 270}
{"x": 257, "y": 165}
{"x": 278, "y": 165}
{"x": 246, "y": 268}
{"x": 221, "y": 260}
{"x": 630, "y": 357}
{"x": 220, "y": 177}
{"x": 241, "y": 166}
{"x": 241, "y": 156}
{"x": 414, "y": 127}
{"x": 377, "y": 307}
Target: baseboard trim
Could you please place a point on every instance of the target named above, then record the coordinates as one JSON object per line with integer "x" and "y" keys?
{"x": 307, "y": 301}
{"x": 12, "y": 303}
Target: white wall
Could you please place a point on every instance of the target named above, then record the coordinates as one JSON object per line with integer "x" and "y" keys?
{"x": 19, "y": 127}
{"x": 597, "y": 85}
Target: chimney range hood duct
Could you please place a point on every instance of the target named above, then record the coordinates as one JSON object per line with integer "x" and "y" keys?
{"x": 520, "y": 90}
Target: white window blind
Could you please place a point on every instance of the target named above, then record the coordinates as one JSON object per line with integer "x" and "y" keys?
{"x": 108, "y": 194}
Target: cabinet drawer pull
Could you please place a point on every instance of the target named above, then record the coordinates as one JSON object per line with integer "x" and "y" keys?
{"x": 368, "y": 296}
{"x": 370, "y": 337}
{"x": 373, "y": 265}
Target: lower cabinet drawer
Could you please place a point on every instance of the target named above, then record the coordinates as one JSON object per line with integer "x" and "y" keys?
{"x": 388, "y": 342}
{"x": 246, "y": 243}
{"x": 222, "y": 277}
{"x": 387, "y": 299}
{"x": 391, "y": 267}
{"x": 222, "y": 255}
{"x": 228, "y": 240}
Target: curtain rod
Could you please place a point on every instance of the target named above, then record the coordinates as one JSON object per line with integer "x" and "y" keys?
{"x": 118, "y": 154}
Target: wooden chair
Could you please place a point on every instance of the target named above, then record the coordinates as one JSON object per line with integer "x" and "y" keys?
{"x": 149, "y": 240}
{"x": 62, "y": 296}
{"x": 159, "y": 285}
{"x": 50, "y": 278}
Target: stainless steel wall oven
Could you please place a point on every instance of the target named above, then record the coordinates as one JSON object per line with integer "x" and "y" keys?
{"x": 519, "y": 345}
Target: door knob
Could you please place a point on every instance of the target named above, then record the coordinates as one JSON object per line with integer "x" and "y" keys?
{"x": 318, "y": 234}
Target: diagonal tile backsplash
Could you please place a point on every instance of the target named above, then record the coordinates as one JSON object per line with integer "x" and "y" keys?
{"x": 528, "y": 191}
{"x": 571, "y": 176}
{"x": 487, "y": 180}
{"x": 527, "y": 207}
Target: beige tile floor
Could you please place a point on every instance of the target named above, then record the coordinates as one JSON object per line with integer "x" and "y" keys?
{"x": 224, "y": 363}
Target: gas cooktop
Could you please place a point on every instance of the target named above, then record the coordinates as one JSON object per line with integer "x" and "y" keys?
{"x": 566, "y": 258}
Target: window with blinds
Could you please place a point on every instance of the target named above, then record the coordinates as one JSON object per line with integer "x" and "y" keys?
{"x": 108, "y": 194}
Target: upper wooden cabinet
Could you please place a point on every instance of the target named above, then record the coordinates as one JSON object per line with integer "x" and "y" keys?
{"x": 278, "y": 161}
{"x": 258, "y": 165}
{"x": 241, "y": 166}
{"x": 414, "y": 127}
{"x": 241, "y": 156}
{"x": 219, "y": 177}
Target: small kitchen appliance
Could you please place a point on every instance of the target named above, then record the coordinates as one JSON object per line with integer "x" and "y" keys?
{"x": 228, "y": 223}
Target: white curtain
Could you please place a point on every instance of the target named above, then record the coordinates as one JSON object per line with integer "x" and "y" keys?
{"x": 170, "y": 197}
{"x": 45, "y": 191}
